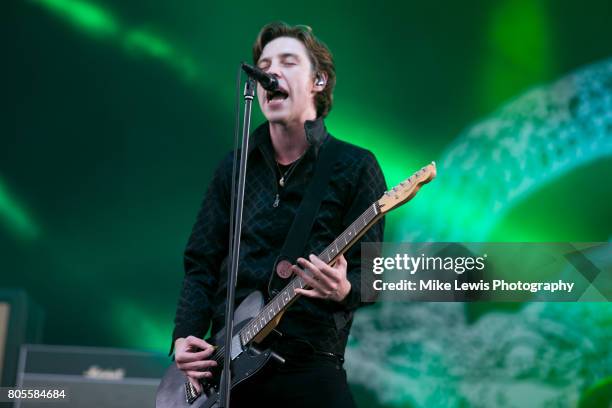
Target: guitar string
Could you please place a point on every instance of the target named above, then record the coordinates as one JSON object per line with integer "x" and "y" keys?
{"x": 372, "y": 211}
{"x": 325, "y": 254}
{"x": 366, "y": 218}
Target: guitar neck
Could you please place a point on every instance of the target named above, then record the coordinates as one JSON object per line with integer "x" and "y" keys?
{"x": 287, "y": 295}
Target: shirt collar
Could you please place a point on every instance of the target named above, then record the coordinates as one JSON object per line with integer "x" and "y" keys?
{"x": 316, "y": 134}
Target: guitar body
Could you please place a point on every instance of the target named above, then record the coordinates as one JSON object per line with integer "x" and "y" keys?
{"x": 246, "y": 361}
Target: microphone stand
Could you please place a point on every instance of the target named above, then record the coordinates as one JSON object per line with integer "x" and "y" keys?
{"x": 224, "y": 393}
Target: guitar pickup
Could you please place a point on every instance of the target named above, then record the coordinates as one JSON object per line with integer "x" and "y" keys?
{"x": 191, "y": 394}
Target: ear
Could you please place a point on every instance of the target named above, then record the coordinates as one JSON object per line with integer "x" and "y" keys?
{"x": 320, "y": 81}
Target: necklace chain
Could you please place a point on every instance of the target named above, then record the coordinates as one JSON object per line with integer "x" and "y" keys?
{"x": 285, "y": 176}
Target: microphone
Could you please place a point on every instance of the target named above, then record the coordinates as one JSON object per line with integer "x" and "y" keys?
{"x": 267, "y": 81}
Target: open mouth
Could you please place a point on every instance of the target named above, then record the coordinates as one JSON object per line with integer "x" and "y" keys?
{"x": 279, "y": 94}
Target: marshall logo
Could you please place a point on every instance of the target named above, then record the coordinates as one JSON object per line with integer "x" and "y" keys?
{"x": 98, "y": 373}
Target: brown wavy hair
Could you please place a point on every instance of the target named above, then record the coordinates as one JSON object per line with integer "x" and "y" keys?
{"x": 320, "y": 57}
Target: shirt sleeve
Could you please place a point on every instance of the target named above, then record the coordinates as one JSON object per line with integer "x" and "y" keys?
{"x": 206, "y": 248}
{"x": 370, "y": 186}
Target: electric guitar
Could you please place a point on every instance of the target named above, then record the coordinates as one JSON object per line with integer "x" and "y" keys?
{"x": 254, "y": 320}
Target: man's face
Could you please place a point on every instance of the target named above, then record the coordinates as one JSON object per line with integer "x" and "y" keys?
{"x": 287, "y": 59}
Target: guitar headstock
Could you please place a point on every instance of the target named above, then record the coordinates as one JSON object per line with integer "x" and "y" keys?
{"x": 404, "y": 191}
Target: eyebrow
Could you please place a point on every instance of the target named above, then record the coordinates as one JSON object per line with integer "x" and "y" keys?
{"x": 289, "y": 55}
{"x": 284, "y": 55}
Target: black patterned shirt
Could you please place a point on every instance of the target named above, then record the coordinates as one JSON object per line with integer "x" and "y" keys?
{"x": 356, "y": 182}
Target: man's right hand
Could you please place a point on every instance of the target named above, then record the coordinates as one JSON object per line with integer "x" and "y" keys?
{"x": 191, "y": 356}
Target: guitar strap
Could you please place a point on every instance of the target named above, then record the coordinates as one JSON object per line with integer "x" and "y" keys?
{"x": 305, "y": 216}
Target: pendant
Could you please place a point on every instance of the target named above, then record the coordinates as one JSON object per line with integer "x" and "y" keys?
{"x": 282, "y": 181}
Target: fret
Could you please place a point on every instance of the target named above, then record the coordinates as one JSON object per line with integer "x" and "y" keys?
{"x": 348, "y": 235}
{"x": 252, "y": 331}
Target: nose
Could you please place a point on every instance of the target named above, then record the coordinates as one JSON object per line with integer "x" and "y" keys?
{"x": 274, "y": 69}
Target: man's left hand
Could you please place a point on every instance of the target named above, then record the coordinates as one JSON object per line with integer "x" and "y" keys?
{"x": 326, "y": 282}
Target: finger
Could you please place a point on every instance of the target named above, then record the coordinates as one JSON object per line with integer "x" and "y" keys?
{"x": 311, "y": 293}
{"x": 198, "y": 365}
{"x": 196, "y": 384}
{"x": 324, "y": 280}
{"x": 199, "y": 374}
{"x": 193, "y": 341}
{"x": 307, "y": 279}
{"x": 341, "y": 262}
{"x": 330, "y": 273}
{"x": 188, "y": 356}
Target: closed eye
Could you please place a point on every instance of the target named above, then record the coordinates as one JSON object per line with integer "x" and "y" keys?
{"x": 263, "y": 64}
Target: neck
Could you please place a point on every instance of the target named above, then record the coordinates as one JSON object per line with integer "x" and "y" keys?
{"x": 289, "y": 141}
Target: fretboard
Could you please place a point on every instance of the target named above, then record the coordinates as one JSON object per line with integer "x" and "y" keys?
{"x": 287, "y": 295}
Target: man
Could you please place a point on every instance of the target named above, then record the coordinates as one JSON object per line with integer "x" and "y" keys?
{"x": 282, "y": 159}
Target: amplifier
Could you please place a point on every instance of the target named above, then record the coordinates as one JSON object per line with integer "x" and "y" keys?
{"x": 20, "y": 322}
{"x": 91, "y": 377}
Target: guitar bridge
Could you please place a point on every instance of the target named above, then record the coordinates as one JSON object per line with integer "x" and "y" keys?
{"x": 191, "y": 394}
